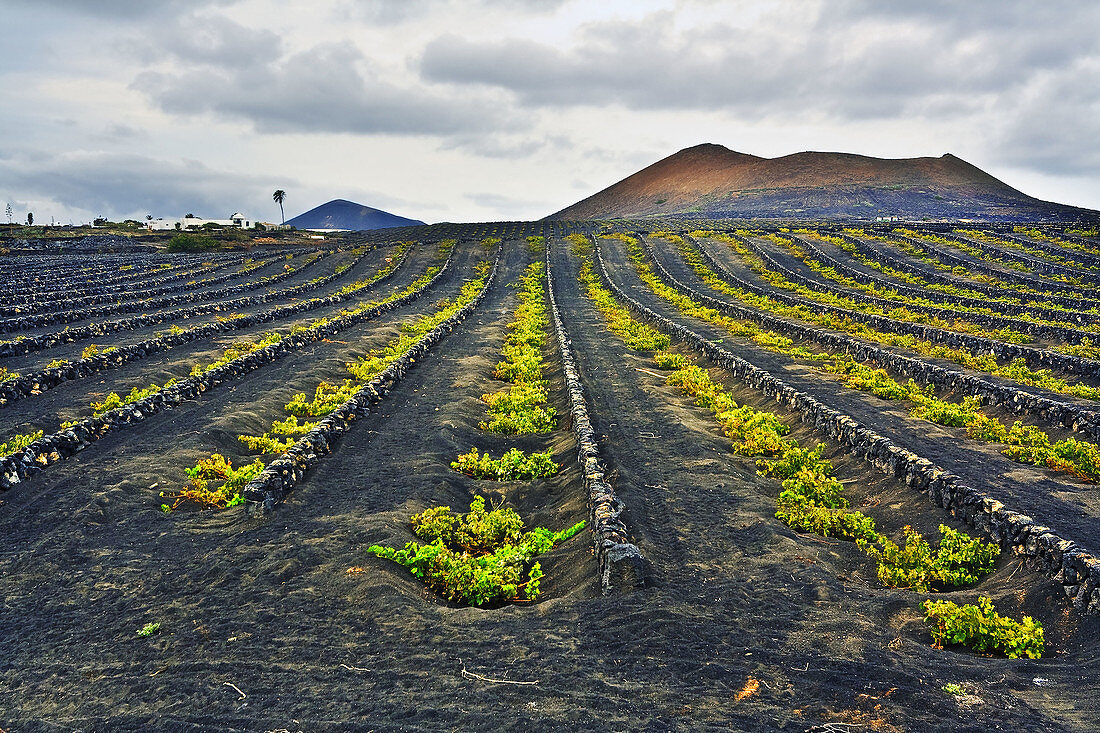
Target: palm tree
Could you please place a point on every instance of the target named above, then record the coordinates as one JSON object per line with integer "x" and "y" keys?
{"x": 278, "y": 196}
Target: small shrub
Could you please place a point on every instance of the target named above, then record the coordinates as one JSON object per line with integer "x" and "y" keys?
{"x": 512, "y": 466}
{"x": 18, "y": 443}
{"x": 579, "y": 244}
{"x": 477, "y": 558}
{"x": 216, "y": 468}
{"x": 520, "y": 410}
{"x": 149, "y": 629}
{"x": 670, "y": 361}
{"x": 959, "y": 560}
{"x": 291, "y": 427}
{"x": 114, "y": 400}
{"x": 983, "y": 629}
{"x": 265, "y": 443}
{"x": 839, "y": 523}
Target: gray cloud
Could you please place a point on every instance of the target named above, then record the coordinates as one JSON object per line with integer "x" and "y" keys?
{"x": 322, "y": 90}
{"x": 504, "y": 145}
{"x": 119, "y": 8}
{"x": 830, "y": 64}
{"x": 1027, "y": 72}
{"x": 208, "y": 40}
{"x": 1054, "y": 126}
{"x": 391, "y": 12}
{"x": 132, "y": 185}
{"x": 645, "y": 66}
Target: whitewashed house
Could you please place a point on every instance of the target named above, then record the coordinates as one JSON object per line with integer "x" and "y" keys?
{"x": 237, "y": 220}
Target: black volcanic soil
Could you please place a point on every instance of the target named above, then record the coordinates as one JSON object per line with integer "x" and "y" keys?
{"x": 264, "y": 629}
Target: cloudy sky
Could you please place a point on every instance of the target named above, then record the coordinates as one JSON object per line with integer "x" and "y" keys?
{"x": 475, "y": 110}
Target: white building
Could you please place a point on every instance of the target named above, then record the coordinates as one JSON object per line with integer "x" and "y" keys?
{"x": 237, "y": 220}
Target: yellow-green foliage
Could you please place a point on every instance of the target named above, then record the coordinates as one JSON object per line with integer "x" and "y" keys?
{"x": 328, "y": 396}
{"x": 375, "y": 362}
{"x": 17, "y": 443}
{"x": 930, "y": 257}
{"x": 981, "y": 254}
{"x": 669, "y": 360}
{"x": 1041, "y": 254}
{"x": 265, "y": 443}
{"x": 216, "y": 468}
{"x": 579, "y": 244}
{"x": 959, "y": 560}
{"x": 514, "y": 465}
{"x": 478, "y": 558}
{"x": 391, "y": 263}
{"x": 637, "y": 335}
{"x": 114, "y": 400}
{"x": 1078, "y": 231}
{"x": 290, "y": 427}
{"x": 983, "y": 629}
{"x": 890, "y": 294}
{"x": 1025, "y": 444}
{"x": 235, "y": 351}
{"x": 1016, "y": 370}
{"x": 519, "y": 410}
{"x": 522, "y": 408}
{"x": 900, "y": 313}
{"x": 242, "y": 348}
{"x": 811, "y": 498}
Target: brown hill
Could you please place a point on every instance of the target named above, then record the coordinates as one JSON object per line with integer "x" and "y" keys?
{"x": 712, "y": 181}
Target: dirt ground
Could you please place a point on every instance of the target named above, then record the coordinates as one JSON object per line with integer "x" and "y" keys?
{"x": 284, "y": 622}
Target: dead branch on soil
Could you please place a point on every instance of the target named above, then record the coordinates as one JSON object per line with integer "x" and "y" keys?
{"x": 474, "y": 676}
{"x": 1018, "y": 566}
{"x": 355, "y": 669}
{"x": 239, "y": 692}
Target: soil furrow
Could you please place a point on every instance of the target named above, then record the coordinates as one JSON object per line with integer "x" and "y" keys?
{"x": 1073, "y": 508}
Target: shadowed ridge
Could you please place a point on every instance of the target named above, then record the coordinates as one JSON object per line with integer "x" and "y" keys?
{"x": 710, "y": 180}
{"x": 344, "y": 214}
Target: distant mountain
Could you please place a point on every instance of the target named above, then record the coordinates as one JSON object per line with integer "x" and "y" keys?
{"x": 716, "y": 182}
{"x": 342, "y": 214}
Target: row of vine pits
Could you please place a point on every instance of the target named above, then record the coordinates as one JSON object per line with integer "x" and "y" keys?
{"x": 748, "y": 625}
